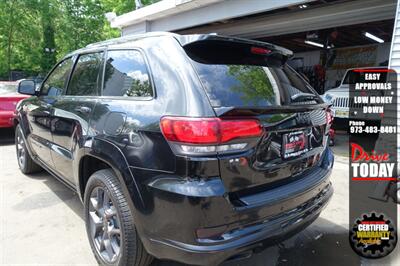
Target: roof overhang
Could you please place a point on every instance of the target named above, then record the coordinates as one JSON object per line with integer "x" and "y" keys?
{"x": 172, "y": 15}
{"x": 157, "y": 10}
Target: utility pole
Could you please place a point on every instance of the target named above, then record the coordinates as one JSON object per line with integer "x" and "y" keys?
{"x": 49, "y": 46}
{"x": 138, "y": 4}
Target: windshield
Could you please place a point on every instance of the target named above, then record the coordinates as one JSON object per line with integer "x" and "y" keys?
{"x": 7, "y": 88}
{"x": 251, "y": 85}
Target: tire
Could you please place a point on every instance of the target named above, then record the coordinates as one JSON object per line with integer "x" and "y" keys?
{"x": 25, "y": 162}
{"x": 106, "y": 213}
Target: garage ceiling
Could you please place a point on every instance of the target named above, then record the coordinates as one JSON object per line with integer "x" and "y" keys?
{"x": 319, "y": 15}
{"x": 352, "y": 35}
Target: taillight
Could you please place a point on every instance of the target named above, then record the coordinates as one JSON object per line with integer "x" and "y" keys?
{"x": 190, "y": 130}
{"x": 329, "y": 116}
{"x": 209, "y": 134}
{"x": 233, "y": 129}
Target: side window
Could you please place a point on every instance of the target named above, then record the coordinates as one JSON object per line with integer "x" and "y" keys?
{"x": 86, "y": 75}
{"x": 57, "y": 80}
{"x": 126, "y": 75}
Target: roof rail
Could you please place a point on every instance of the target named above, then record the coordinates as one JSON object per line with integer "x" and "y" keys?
{"x": 131, "y": 38}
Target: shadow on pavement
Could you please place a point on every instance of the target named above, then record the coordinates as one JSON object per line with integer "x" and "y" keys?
{"x": 322, "y": 243}
{"x": 328, "y": 249}
{"x": 59, "y": 193}
{"x": 6, "y": 136}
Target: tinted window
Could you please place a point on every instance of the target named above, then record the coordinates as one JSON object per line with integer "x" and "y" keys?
{"x": 126, "y": 75}
{"x": 250, "y": 85}
{"x": 86, "y": 75}
{"x": 56, "y": 82}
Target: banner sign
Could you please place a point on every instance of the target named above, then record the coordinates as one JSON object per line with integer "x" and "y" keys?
{"x": 355, "y": 57}
{"x": 373, "y": 162}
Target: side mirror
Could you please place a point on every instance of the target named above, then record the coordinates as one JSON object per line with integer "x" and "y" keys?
{"x": 27, "y": 86}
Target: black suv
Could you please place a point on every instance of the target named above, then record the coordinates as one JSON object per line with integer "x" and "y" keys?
{"x": 196, "y": 148}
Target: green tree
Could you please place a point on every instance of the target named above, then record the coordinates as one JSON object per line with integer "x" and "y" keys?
{"x": 19, "y": 36}
{"x": 79, "y": 22}
{"x": 28, "y": 27}
{"x": 118, "y": 6}
{"x": 255, "y": 84}
{"x": 123, "y": 6}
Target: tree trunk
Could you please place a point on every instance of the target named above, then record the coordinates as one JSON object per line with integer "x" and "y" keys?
{"x": 10, "y": 38}
{"x": 48, "y": 57}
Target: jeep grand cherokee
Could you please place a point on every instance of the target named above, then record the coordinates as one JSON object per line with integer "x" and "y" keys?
{"x": 196, "y": 148}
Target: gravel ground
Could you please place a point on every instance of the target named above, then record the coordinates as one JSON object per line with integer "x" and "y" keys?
{"x": 41, "y": 222}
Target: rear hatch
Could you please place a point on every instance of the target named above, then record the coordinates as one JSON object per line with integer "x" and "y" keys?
{"x": 246, "y": 79}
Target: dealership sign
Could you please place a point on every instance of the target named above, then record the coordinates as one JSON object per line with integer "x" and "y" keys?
{"x": 373, "y": 162}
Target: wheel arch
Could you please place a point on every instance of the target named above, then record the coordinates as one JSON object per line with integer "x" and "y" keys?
{"x": 88, "y": 165}
{"x": 102, "y": 155}
{"x": 21, "y": 119}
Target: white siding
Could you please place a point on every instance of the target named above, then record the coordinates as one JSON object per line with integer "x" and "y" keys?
{"x": 394, "y": 63}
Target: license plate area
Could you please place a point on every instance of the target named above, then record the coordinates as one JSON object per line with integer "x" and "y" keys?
{"x": 341, "y": 114}
{"x": 294, "y": 144}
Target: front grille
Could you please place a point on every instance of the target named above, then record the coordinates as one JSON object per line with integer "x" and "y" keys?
{"x": 345, "y": 102}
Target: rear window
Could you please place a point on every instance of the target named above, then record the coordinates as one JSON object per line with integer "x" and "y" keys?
{"x": 126, "y": 75}
{"x": 245, "y": 73}
{"x": 250, "y": 85}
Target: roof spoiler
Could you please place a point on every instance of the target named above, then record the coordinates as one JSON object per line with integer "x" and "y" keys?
{"x": 186, "y": 40}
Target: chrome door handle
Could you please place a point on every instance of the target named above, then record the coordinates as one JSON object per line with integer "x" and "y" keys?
{"x": 46, "y": 105}
{"x": 83, "y": 109}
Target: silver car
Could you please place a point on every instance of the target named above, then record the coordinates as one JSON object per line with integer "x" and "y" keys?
{"x": 340, "y": 99}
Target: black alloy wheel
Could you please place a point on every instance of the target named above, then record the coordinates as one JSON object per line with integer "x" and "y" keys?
{"x": 109, "y": 222}
{"x": 104, "y": 225}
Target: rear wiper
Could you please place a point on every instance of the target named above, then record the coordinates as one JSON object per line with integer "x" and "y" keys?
{"x": 299, "y": 97}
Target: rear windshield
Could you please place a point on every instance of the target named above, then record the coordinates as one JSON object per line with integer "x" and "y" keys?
{"x": 251, "y": 85}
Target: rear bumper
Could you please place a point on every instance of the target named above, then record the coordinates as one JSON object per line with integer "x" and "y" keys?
{"x": 6, "y": 118}
{"x": 253, "y": 238}
{"x": 171, "y": 230}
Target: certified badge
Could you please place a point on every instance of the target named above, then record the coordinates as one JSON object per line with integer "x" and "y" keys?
{"x": 373, "y": 236}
